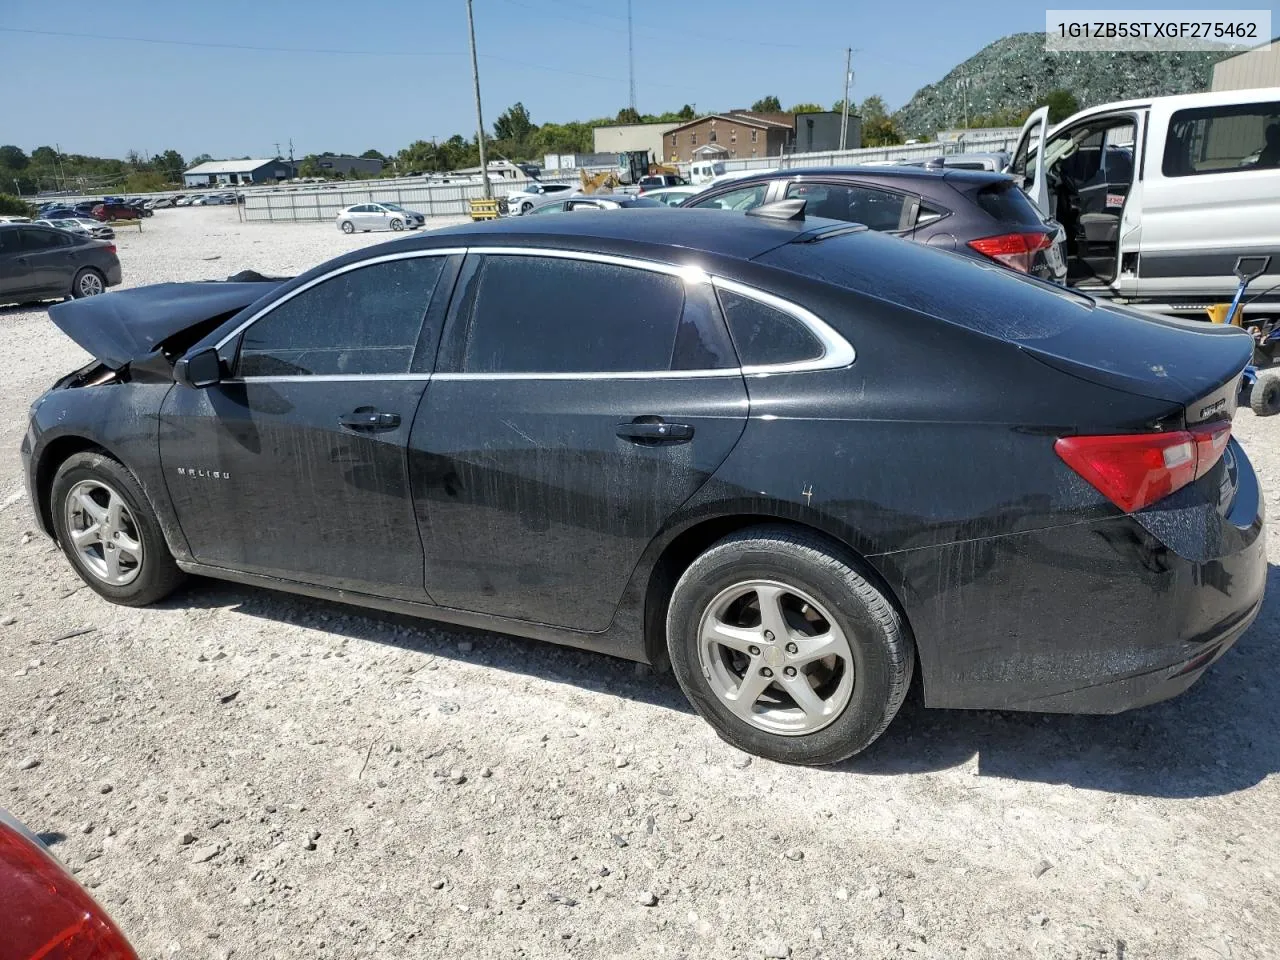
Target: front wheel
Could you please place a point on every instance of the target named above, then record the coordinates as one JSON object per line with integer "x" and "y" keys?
{"x": 108, "y": 531}
{"x": 525, "y": 208}
{"x": 786, "y": 649}
{"x": 397, "y": 224}
{"x": 88, "y": 283}
{"x": 348, "y": 226}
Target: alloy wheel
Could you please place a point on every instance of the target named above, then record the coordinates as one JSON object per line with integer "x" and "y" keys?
{"x": 775, "y": 657}
{"x": 90, "y": 284}
{"x": 104, "y": 533}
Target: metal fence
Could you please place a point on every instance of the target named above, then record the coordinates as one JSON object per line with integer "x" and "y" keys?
{"x": 434, "y": 200}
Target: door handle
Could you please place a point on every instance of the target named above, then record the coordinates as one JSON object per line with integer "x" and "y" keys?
{"x": 369, "y": 420}
{"x": 654, "y": 431}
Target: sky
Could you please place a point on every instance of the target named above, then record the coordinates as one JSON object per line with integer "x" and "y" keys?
{"x": 350, "y": 75}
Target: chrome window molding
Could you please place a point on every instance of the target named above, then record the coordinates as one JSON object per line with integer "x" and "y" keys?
{"x": 346, "y": 268}
{"x": 837, "y": 351}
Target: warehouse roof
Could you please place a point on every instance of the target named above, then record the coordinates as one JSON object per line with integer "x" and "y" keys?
{"x": 231, "y": 166}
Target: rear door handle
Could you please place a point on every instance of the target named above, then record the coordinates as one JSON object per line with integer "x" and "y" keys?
{"x": 654, "y": 431}
{"x": 369, "y": 420}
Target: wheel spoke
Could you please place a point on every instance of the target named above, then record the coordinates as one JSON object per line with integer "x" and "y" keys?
{"x": 126, "y": 544}
{"x": 90, "y": 506}
{"x": 772, "y": 618}
{"x": 753, "y": 684}
{"x": 114, "y": 507}
{"x": 735, "y": 638}
{"x": 111, "y": 559}
{"x": 815, "y": 648}
{"x": 803, "y": 694}
{"x": 87, "y": 536}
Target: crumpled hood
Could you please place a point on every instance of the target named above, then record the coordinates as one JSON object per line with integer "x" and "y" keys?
{"x": 128, "y": 324}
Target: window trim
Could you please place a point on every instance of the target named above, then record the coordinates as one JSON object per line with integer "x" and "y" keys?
{"x": 837, "y": 351}
{"x": 1242, "y": 109}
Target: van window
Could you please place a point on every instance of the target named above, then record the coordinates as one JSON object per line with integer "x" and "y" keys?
{"x": 1233, "y": 137}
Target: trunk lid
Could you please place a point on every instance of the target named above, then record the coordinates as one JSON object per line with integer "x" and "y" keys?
{"x": 118, "y": 328}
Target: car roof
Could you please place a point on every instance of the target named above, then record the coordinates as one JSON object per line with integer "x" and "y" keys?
{"x": 880, "y": 173}
{"x": 718, "y": 232}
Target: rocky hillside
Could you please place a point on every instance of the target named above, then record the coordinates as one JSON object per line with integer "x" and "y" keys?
{"x": 1016, "y": 72}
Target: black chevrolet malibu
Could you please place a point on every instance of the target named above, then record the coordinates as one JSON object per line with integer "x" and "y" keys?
{"x": 798, "y": 459}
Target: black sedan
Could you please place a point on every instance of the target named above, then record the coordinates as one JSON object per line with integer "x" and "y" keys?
{"x": 43, "y": 263}
{"x": 974, "y": 213}
{"x": 799, "y": 459}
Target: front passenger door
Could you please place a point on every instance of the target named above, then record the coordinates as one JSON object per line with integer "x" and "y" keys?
{"x": 294, "y": 466}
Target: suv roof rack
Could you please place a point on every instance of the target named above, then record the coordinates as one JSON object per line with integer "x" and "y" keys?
{"x": 780, "y": 210}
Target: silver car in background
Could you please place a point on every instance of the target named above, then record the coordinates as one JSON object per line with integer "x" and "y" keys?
{"x": 533, "y": 195}
{"x": 380, "y": 215}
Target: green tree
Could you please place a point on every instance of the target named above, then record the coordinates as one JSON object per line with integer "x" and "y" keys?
{"x": 12, "y": 158}
{"x": 145, "y": 181}
{"x": 44, "y": 156}
{"x": 1061, "y": 104}
{"x": 373, "y": 155}
{"x": 769, "y": 104}
{"x": 170, "y": 164}
{"x": 628, "y": 115}
{"x": 805, "y": 108}
{"x": 202, "y": 158}
{"x": 872, "y": 109}
{"x": 14, "y": 207}
{"x": 513, "y": 124}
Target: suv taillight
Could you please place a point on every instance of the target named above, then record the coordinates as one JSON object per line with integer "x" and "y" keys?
{"x": 1016, "y": 250}
{"x": 1135, "y": 470}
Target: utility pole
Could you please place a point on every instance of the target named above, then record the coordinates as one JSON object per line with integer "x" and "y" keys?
{"x": 963, "y": 83}
{"x": 844, "y": 113}
{"x": 475, "y": 76}
{"x": 631, "y": 57}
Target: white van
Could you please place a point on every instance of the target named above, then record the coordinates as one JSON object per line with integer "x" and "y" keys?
{"x": 1159, "y": 197}
{"x": 704, "y": 171}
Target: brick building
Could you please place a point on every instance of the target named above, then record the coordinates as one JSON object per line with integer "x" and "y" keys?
{"x": 735, "y": 135}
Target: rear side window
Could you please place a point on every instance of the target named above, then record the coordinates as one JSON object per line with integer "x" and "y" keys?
{"x": 1006, "y": 203}
{"x": 38, "y": 239}
{"x": 363, "y": 322}
{"x": 559, "y": 315}
{"x": 1223, "y": 139}
{"x": 763, "y": 335}
{"x": 744, "y": 198}
{"x": 880, "y": 210}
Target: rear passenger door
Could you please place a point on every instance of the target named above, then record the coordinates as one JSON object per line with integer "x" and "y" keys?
{"x": 578, "y": 401}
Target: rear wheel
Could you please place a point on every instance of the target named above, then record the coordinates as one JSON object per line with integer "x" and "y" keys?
{"x": 348, "y": 226}
{"x": 109, "y": 532}
{"x": 783, "y": 646}
{"x": 88, "y": 283}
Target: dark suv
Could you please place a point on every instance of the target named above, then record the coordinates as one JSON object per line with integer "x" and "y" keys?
{"x": 980, "y": 214}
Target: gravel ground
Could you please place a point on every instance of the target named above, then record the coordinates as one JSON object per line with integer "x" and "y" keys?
{"x": 239, "y": 773}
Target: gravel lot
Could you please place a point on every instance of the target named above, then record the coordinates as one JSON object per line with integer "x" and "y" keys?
{"x": 239, "y": 773}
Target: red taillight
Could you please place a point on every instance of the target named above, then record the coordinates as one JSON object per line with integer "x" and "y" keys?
{"x": 1015, "y": 250}
{"x": 1135, "y": 470}
{"x": 110, "y": 248}
{"x": 46, "y": 914}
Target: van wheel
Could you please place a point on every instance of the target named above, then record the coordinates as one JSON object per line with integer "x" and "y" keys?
{"x": 109, "y": 532}
{"x": 786, "y": 649}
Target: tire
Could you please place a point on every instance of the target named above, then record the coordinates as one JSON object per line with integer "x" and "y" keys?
{"x": 88, "y": 282}
{"x": 525, "y": 208}
{"x": 348, "y": 227}
{"x": 144, "y": 573}
{"x": 1264, "y": 398}
{"x": 396, "y": 224}
{"x": 860, "y": 686}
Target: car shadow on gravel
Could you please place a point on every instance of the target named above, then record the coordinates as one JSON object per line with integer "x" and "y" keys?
{"x": 1221, "y": 736}
{"x": 596, "y": 672}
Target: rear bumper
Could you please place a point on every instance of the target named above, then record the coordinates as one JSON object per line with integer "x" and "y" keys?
{"x": 1093, "y": 617}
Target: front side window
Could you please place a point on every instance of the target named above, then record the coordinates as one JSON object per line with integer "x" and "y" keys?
{"x": 532, "y": 314}
{"x": 878, "y": 209}
{"x": 1223, "y": 139}
{"x": 366, "y": 321}
{"x": 764, "y": 336}
{"x": 744, "y": 198}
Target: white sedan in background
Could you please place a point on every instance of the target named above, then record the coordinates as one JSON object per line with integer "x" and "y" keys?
{"x": 673, "y": 196}
{"x": 378, "y": 216}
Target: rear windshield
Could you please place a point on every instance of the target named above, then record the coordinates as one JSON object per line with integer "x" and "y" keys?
{"x": 1006, "y": 203}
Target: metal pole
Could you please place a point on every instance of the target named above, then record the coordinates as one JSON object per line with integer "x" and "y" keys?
{"x": 844, "y": 113}
{"x": 475, "y": 76}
